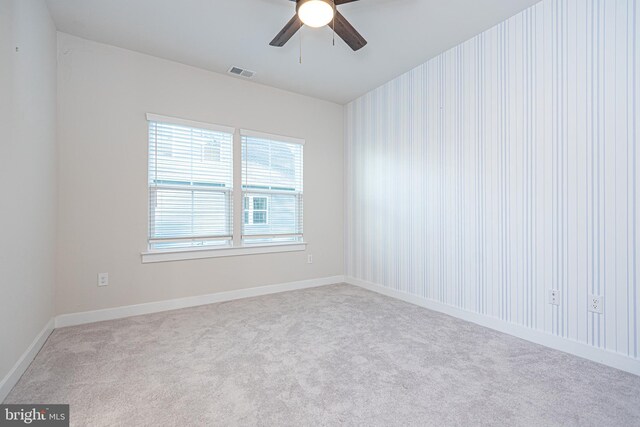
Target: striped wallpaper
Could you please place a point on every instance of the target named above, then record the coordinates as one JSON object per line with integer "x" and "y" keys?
{"x": 505, "y": 167}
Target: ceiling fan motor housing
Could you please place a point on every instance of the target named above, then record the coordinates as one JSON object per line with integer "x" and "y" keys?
{"x": 301, "y": 2}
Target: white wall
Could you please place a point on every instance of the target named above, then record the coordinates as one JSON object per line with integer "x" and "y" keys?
{"x": 27, "y": 174}
{"x": 104, "y": 93}
{"x": 506, "y": 167}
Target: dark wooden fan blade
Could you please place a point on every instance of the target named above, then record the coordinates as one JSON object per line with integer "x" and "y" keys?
{"x": 347, "y": 33}
{"x": 287, "y": 32}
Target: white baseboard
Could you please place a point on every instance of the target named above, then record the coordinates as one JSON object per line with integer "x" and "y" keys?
{"x": 174, "y": 304}
{"x": 11, "y": 379}
{"x": 606, "y": 357}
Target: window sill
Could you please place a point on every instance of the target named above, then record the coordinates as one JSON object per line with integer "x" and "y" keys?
{"x": 190, "y": 253}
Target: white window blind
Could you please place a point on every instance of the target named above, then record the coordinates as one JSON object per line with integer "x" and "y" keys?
{"x": 190, "y": 184}
{"x": 271, "y": 188}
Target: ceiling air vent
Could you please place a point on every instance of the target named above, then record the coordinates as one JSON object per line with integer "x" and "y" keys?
{"x": 237, "y": 71}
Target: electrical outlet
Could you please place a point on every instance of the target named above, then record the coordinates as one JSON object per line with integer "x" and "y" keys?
{"x": 595, "y": 304}
{"x": 103, "y": 279}
{"x": 554, "y": 296}
{"x": 309, "y": 259}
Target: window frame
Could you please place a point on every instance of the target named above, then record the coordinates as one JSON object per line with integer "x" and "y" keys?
{"x": 265, "y": 189}
{"x": 237, "y": 246}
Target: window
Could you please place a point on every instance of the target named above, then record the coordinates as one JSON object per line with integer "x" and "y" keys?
{"x": 255, "y": 210}
{"x": 190, "y": 184}
{"x": 271, "y": 188}
{"x": 191, "y": 189}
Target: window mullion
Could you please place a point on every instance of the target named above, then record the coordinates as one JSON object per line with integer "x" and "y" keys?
{"x": 237, "y": 208}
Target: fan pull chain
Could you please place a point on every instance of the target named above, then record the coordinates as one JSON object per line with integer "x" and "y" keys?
{"x": 334, "y": 32}
{"x": 334, "y": 23}
{"x": 300, "y": 38}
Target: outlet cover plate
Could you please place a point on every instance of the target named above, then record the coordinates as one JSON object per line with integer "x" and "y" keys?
{"x": 596, "y": 304}
{"x": 103, "y": 279}
{"x": 554, "y": 296}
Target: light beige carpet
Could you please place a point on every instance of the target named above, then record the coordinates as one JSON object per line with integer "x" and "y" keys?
{"x": 325, "y": 356}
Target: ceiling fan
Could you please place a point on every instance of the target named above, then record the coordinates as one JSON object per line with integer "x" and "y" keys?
{"x": 318, "y": 13}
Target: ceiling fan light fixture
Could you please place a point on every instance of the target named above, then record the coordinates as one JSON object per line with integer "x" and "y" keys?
{"x": 315, "y": 13}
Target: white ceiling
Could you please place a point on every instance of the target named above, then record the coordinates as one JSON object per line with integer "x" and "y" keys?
{"x": 216, "y": 34}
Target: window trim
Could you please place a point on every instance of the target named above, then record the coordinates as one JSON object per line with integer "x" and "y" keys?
{"x": 271, "y": 136}
{"x": 236, "y": 247}
{"x": 226, "y": 251}
{"x": 151, "y": 117}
